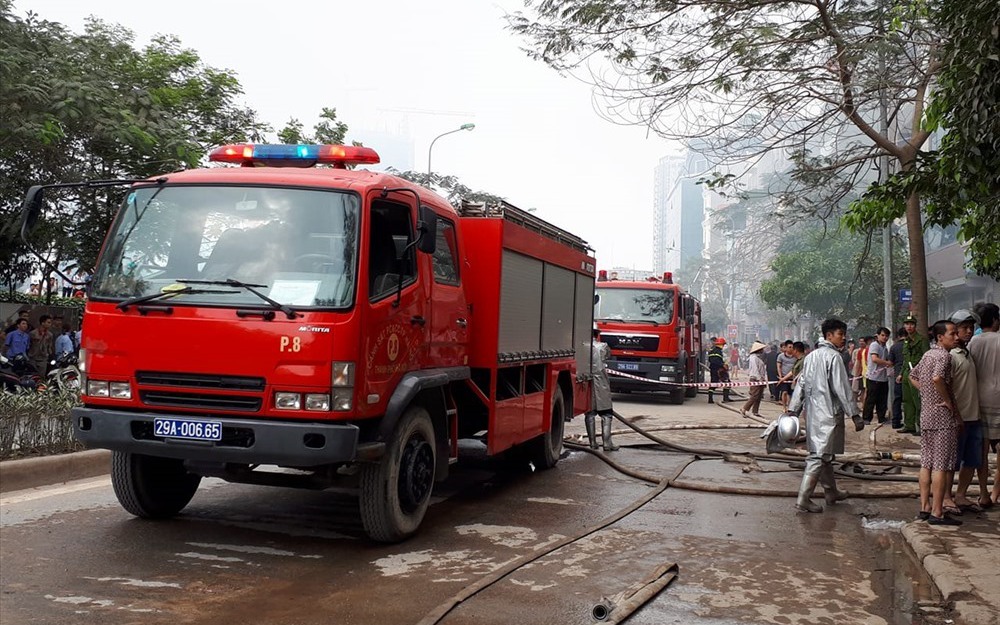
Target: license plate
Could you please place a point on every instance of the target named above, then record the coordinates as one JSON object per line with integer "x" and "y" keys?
{"x": 188, "y": 429}
{"x": 628, "y": 366}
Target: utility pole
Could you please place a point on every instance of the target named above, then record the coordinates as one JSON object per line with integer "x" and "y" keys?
{"x": 883, "y": 176}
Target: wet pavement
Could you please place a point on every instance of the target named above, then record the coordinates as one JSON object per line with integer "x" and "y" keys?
{"x": 259, "y": 555}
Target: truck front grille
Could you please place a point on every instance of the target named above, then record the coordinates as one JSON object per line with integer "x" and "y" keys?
{"x": 200, "y": 400}
{"x": 201, "y": 380}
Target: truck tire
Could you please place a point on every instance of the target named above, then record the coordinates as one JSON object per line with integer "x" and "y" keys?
{"x": 396, "y": 491}
{"x": 151, "y": 487}
{"x": 677, "y": 396}
{"x": 545, "y": 450}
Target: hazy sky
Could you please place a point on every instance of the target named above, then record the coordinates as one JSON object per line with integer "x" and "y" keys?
{"x": 423, "y": 68}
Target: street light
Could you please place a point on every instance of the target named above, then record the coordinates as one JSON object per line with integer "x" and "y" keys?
{"x": 459, "y": 129}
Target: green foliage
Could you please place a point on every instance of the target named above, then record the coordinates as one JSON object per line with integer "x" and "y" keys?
{"x": 449, "y": 186}
{"x": 328, "y": 130}
{"x": 91, "y": 106}
{"x": 960, "y": 182}
{"x": 833, "y": 274}
{"x": 41, "y": 300}
{"x": 37, "y": 423}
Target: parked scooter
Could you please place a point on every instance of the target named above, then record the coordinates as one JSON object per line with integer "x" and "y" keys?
{"x": 19, "y": 376}
{"x": 64, "y": 374}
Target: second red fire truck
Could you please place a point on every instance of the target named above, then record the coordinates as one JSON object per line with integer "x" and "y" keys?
{"x": 654, "y": 330}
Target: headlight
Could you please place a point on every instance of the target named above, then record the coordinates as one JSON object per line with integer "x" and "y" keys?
{"x": 287, "y": 401}
{"x": 315, "y": 401}
{"x": 342, "y": 398}
{"x": 343, "y": 375}
{"x": 96, "y": 388}
{"x": 121, "y": 390}
{"x": 668, "y": 368}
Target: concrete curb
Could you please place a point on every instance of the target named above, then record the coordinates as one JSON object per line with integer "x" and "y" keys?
{"x": 947, "y": 574}
{"x": 46, "y": 470}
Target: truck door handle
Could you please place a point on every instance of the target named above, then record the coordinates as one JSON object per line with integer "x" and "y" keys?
{"x": 462, "y": 323}
{"x": 417, "y": 320}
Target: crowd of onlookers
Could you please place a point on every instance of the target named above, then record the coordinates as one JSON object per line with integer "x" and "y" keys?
{"x": 58, "y": 286}
{"x": 41, "y": 344}
{"x": 944, "y": 388}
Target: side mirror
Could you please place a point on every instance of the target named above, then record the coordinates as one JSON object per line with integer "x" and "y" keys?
{"x": 597, "y": 298}
{"x": 427, "y": 230}
{"x": 31, "y": 210}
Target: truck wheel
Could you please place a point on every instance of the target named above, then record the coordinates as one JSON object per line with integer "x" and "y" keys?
{"x": 151, "y": 487}
{"x": 544, "y": 451}
{"x": 396, "y": 491}
{"x": 691, "y": 391}
{"x": 677, "y": 396}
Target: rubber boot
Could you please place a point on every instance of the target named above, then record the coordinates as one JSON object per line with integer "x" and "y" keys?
{"x": 588, "y": 420}
{"x": 710, "y": 400}
{"x": 725, "y": 396}
{"x": 606, "y": 433}
{"x": 829, "y": 482}
{"x": 804, "y": 503}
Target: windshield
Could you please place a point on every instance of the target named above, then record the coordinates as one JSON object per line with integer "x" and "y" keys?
{"x": 643, "y": 305}
{"x": 301, "y": 244}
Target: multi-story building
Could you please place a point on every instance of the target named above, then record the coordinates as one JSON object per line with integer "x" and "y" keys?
{"x": 678, "y": 211}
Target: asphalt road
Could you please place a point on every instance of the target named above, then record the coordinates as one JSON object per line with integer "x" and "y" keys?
{"x": 248, "y": 555}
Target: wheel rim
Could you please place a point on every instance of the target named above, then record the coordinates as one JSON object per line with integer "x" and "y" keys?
{"x": 416, "y": 474}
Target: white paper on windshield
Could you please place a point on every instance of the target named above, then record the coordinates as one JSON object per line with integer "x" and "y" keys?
{"x": 295, "y": 292}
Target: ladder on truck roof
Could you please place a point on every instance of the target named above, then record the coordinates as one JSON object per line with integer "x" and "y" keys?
{"x": 523, "y": 218}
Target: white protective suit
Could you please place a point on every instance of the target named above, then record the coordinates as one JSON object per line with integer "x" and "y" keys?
{"x": 601, "y": 392}
{"x": 824, "y": 392}
{"x": 599, "y": 355}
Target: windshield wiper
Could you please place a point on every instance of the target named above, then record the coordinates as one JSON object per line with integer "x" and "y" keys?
{"x": 285, "y": 308}
{"x": 148, "y": 298}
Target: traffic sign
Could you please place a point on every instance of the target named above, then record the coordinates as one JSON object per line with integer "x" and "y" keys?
{"x": 905, "y": 295}
{"x": 734, "y": 331}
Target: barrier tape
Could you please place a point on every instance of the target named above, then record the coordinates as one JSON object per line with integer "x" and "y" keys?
{"x": 700, "y": 384}
{"x": 697, "y": 384}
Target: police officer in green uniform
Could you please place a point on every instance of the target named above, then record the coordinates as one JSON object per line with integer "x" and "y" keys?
{"x": 914, "y": 346}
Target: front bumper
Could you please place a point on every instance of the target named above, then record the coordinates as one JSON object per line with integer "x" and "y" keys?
{"x": 246, "y": 441}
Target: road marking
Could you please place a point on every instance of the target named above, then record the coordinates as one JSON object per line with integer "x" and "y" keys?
{"x": 53, "y": 491}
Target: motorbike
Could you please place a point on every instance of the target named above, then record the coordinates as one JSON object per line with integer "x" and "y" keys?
{"x": 17, "y": 375}
{"x": 64, "y": 373}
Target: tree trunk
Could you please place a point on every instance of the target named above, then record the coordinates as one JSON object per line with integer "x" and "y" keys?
{"x": 918, "y": 261}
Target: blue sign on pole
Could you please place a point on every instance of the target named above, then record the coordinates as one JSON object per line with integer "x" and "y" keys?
{"x": 905, "y": 295}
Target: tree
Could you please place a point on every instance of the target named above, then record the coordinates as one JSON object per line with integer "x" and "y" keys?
{"x": 746, "y": 77}
{"x": 960, "y": 182}
{"x": 328, "y": 130}
{"x": 828, "y": 274}
{"x": 91, "y": 106}
{"x": 453, "y": 190}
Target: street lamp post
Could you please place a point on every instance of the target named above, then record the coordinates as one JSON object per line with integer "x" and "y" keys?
{"x": 459, "y": 129}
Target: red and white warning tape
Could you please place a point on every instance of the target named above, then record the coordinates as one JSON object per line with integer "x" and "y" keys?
{"x": 746, "y": 384}
{"x": 698, "y": 384}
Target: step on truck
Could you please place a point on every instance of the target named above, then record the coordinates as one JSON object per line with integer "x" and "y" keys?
{"x": 653, "y": 328}
{"x": 293, "y": 321}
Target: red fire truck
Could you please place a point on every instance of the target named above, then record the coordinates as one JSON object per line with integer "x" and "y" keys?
{"x": 654, "y": 331}
{"x": 284, "y": 324}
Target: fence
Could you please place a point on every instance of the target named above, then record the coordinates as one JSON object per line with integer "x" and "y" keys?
{"x": 37, "y": 423}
